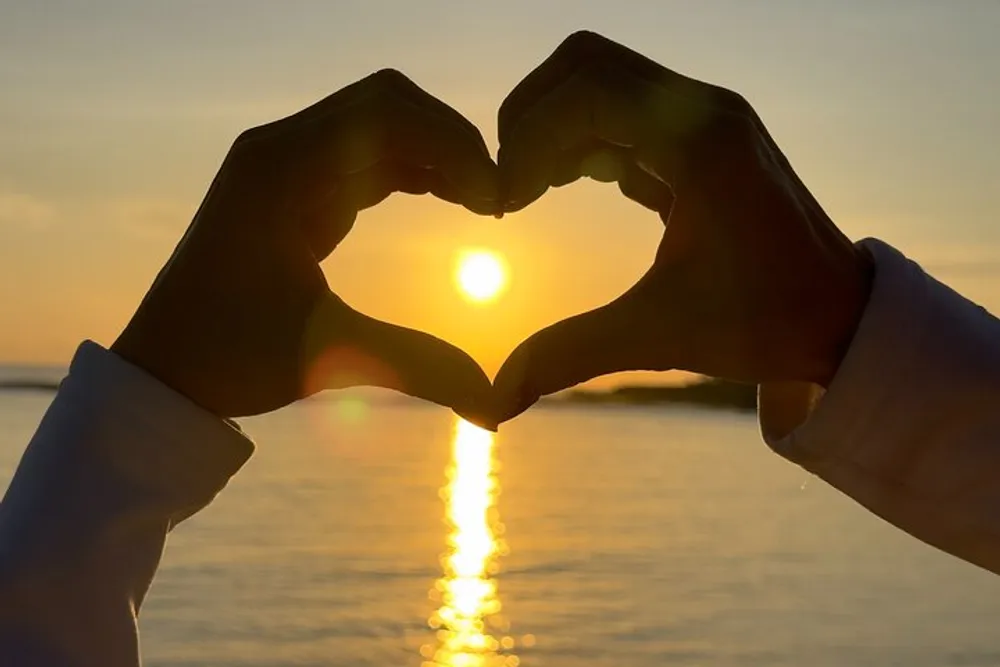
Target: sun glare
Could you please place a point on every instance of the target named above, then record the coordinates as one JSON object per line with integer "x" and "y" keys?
{"x": 468, "y": 623}
{"x": 480, "y": 275}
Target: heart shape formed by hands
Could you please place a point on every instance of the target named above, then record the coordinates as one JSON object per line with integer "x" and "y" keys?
{"x": 751, "y": 280}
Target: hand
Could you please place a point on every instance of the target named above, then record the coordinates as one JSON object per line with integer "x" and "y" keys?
{"x": 241, "y": 319}
{"x": 751, "y": 281}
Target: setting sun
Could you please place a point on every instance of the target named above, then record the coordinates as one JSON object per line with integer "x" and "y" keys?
{"x": 481, "y": 275}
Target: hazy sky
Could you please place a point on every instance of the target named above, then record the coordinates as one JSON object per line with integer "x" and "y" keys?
{"x": 115, "y": 115}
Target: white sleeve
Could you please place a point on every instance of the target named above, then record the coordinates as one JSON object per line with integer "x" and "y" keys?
{"x": 118, "y": 460}
{"x": 910, "y": 425}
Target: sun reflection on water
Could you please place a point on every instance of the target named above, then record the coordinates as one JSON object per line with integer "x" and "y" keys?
{"x": 470, "y": 628}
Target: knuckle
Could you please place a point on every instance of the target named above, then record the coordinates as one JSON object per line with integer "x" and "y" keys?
{"x": 732, "y": 101}
{"x": 247, "y": 136}
{"x": 252, "y": 141}
{"x": 386, "y": 96}
{"x": 389, "y": 79}
{"x": 251, "y": 155}
{"x": 583, "y": 43}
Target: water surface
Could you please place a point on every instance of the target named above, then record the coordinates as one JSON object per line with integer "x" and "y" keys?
{"x": 364, "y": 534}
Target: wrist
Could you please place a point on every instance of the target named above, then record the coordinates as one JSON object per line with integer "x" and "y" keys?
{"x": 157, "y": 362}
{"x": 848, "y": 308}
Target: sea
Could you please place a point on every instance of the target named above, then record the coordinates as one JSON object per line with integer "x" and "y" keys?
{"x": 369, "y": 530}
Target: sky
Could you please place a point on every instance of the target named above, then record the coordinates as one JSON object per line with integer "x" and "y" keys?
{"x": 114, "y": 116}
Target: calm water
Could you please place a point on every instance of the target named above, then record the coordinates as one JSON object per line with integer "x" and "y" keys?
{"x": 386, "y": 535}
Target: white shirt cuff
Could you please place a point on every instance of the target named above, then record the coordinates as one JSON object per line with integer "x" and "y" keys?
{"x": 154, "y": 436}
{"x": 806, "y": 424}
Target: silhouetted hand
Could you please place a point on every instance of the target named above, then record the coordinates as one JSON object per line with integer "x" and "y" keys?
{"x": 241, "y": 319}
{"x": 751, "y": 281}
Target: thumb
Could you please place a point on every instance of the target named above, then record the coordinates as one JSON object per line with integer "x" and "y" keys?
{"x": 616, "y": 337}
{"x": 346, "y": 348}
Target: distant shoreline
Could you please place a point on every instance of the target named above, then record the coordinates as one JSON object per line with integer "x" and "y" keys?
{"x": 710, "y": 393}
{"x": 28, "y": 385}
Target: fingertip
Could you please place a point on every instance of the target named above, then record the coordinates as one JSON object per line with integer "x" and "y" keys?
{"x": 488, "y": 423}
{"x": 493, "y": 207}
{"x": 513, "y": 206}
{"x": 478, "y": 404}
{"x": 521, "y": 191}
{"x": 470, "y": 394}
{"x": 524, "y": 169}
{"x": 479, "y": 181}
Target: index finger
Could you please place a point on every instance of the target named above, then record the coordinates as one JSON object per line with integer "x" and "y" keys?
{"x": 600, "y": 122}
{"x": 595, "y": 97}
{"x": 587, "y": 49}
{"x": 350, "y": 151}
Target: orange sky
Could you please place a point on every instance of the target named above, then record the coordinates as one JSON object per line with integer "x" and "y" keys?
{"x": 116, "y": 115}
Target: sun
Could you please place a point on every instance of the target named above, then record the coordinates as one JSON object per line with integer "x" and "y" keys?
{"x": 480, "y": 275}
